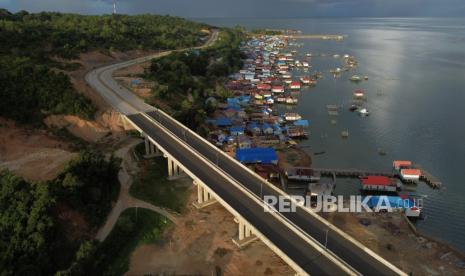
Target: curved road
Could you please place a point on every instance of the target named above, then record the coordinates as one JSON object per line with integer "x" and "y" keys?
{"x": 363, "y": 260}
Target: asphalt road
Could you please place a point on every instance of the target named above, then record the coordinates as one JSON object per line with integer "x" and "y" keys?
{"x": 356, "y": 257}
{"x": 296, "y": 248}
{"x": 303, "y": 254}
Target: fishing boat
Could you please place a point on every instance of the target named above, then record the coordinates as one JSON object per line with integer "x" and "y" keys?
{"x": 356, "y": 78}
{"x": 291, "y": 100}
{"x": 359, "y": 93}
{"x": 305, "y": 80}
{"x": 364, "y": 112}
{"x": 290, "y": 117}
{"x": 335, "y": 71}
{"x": 353, "y": 108}
{"x": 281, "y": 99}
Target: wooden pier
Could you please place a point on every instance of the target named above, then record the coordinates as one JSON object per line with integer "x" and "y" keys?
{"x": 323, "y": 37}
{"x": 353, "y": 172}
{"x": 426, "y": 177}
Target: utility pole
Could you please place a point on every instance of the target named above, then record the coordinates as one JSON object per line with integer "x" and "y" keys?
{"x": 114, "y": 6}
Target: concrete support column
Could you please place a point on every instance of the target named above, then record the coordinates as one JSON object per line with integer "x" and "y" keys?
{"x": 245, "y": 235}
{"x": 170, "y": 167}
{"x": 248, "y": 232}
{"x": 199, "y": 194}
{"x": 157, "y": 151}
{"x": 147, "y": 146}
{"x": 152, "y": 149}
{"x": 175, "y": 169}
{"x": 241, "y": 230}
{"x": 204, "y": 198}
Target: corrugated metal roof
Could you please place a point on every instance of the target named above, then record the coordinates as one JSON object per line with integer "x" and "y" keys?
{"x": 376, "y": 180}
{"x": 257, "y": 155}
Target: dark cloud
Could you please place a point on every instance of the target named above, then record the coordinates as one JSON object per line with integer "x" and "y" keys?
{"x": 250, "y": 8}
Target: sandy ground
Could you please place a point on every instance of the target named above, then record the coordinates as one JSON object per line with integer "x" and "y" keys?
{"x": 33, "y": 154}
{"x": 108, "y": 123}
{"x": 390, "y": 236}
{"x": 201, "y": 244}
{"x": 38, "y": 155}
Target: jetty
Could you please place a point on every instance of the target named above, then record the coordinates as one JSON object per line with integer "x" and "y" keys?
{"x": 353, "y": 172}
{"x": 428, "y": 178}
{"x": 425, "y": 177}
{"x": 309, "y": 36}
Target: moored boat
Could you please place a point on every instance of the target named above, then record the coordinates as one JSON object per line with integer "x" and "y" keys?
{"x": 290, "y": 117}
{"x": 356, "y": 78}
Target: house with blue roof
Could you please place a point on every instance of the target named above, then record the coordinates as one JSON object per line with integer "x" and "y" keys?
{"x": 302, "y": 123}
{"x": 254, "y": 128}
{"x": 267, "y": 129}
{"x": 236, "y": 130}
{"x": 257, "y": 155}
{"x": 223, "y": 122}
{"x": 277, "y": 130}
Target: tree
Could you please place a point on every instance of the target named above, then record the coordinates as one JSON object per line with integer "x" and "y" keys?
{"x": 26, "y": 226}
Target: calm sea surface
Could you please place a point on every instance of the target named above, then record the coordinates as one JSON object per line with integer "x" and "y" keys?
{"x": 416, "y": 96}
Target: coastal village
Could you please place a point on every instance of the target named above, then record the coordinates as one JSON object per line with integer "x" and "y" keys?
{"x": 257, "y": 125}
{"x": 249, "y": 127}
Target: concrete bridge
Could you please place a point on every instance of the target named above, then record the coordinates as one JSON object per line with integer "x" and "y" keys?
{"x": 305, "y": 241}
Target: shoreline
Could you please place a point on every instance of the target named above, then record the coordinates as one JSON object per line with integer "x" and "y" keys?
{"x": 284, "y": 149}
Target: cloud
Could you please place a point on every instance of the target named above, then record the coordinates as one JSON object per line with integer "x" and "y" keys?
{"x": 249, "y": 8}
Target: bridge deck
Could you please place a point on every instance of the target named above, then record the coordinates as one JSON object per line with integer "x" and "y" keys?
{"x": 359, "y": 259}
{"x": 289, "y": 242}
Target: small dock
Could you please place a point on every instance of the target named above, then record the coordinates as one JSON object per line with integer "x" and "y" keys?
{"x": 323, "y": 37}
{"x": 428, "y": 178}
{"x": 353, "y": 172}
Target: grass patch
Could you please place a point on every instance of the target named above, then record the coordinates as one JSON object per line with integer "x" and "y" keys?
{"x": 152, "y": 184}
{"x": 134, "y": 227}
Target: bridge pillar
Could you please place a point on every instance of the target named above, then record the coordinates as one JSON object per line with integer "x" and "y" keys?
{"x": 151, "y": 150}
{"x": 245, "y": 235}
{"x": 204, "y": 198}
{"x": 174, "y": 171}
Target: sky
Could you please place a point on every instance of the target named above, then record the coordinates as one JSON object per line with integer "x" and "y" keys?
{"x": 250, "y": 8}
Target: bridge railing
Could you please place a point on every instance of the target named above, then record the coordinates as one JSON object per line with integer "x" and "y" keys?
{"x": 282, "y": 193}
{"x": 294, "y": 228}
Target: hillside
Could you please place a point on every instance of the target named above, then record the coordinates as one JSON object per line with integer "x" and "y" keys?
{"x": 35, "y": 49}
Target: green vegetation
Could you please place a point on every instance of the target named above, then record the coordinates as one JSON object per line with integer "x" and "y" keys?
{"x": 89, "y": 184}
{"x": 186, "y": 79}
{"x": 31, "y": 43}
{"x": 30, "y": 91}
{"x": 32, "y": 238}
{"x": 66, "y": 35}
{"x": 134, "y": 227}
{"x": 152, "y": 185}
{"x": 26, "y": 227}
{"x": 266, "y": 32}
